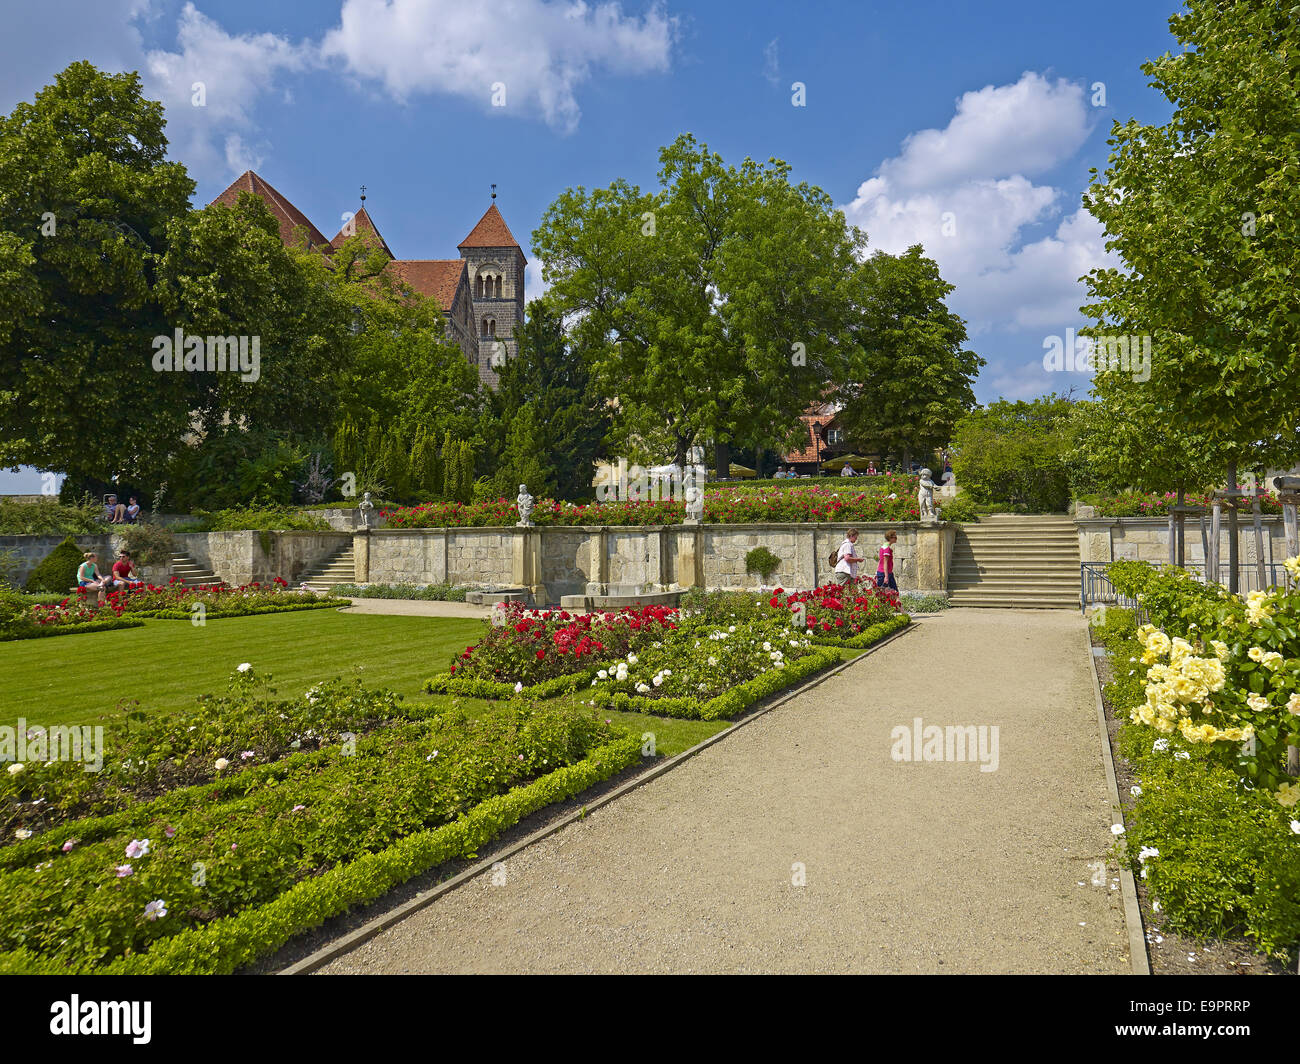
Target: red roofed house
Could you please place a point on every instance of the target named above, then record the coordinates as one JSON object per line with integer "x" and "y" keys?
{"x": 481, "y": 293}
{"x": 807, "y": 457}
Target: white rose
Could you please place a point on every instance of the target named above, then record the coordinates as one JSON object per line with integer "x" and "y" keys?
{"x": 16, "y": 768}
{"x": 631, "y": 659}
{"x": 603, "y": 674}
{"x": 245, "y": 667}
{"x": 222, "y": 764}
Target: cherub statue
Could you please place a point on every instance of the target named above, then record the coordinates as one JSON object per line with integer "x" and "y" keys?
{"x": 365, "y": 506}
{"x": 525, "y": 503}
{"x": 925, "y": 495}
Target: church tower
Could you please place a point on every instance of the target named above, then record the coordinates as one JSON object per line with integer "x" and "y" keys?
{"x": 495, "y": 265}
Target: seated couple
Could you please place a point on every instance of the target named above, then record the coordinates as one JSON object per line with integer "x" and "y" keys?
{"x": 117, "y": 514}
{"x": 848, "y": 560}
{"x": 123, "y": 575}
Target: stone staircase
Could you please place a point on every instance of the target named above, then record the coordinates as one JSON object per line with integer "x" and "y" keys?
{"x": 191, "y": 573}
{"x": 338, "y": 568}
{"x": 1010, "y": 561}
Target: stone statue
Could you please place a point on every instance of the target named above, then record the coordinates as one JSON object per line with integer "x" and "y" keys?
{"x": 365, "y": 506}
{"x": 925, "y": 495}
{"x": 693, "y": 482}
{"x": 525, "y": 503}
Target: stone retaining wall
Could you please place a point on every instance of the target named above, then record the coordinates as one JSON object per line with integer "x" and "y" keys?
{"x": 245, "y": 557}
{"x": 1110, "y": 539}
{"x": 30, "y": 551}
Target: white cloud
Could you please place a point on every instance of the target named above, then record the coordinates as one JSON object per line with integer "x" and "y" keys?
{"x": 234, "y": 72}
{"x": 541, "y": 52}
{"x": 964, "y": 194}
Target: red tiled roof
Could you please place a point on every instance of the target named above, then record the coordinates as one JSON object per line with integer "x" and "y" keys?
{"x": 808, "y": 453}
{"x": 435, "y": 278}
{"x": 491, "y": 232}
{"x": 288, "y": 216}
{"x": 362, "y": 225}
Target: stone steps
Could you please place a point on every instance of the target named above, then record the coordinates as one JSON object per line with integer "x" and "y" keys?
{"x": 338, "y": 568}
{"x": 190, "y": 572}
{"x": 1009, "y": 562}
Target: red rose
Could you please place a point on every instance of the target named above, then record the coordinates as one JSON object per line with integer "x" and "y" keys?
{"x": 541, "y": 654}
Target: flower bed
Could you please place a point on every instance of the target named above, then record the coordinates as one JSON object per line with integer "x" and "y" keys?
{"x": 837, "y": 615}
{"x": 723, "y": 504}
{"x": 177, "y": 602}
{"x": 1217, "y": 855}
{"x": 1153, "y": 504}
{"x": 209, "y": 876}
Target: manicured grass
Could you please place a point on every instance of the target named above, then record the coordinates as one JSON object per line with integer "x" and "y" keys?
{"x": 165, "y": 664}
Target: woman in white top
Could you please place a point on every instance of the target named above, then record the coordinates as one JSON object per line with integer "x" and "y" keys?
{"x": 846, "y": 569}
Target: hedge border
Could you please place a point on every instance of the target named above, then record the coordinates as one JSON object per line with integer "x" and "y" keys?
{"x": 294, "y": 607}
{"x": 476, "y": 687}
{"x": 868, "y": 636}
{"x": 233, "y": 942}
{"x": 105, "y": 625}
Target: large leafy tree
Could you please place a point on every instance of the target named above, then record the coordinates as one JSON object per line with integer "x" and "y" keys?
{"x": 1020, "y": 453}
{"x": 713, "y": 309}
{"x": 553, "y": 420}
{"x": 86, "y": 198}
{"x": 911, "y": 374}
{"x": 1205, "y": 213}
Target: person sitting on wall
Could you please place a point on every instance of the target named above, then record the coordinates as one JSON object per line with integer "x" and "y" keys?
{"x": 89, "y": 577}
{"x": 133, "y": 511}
{"x": 114, "y": 511}
{"x": 124, "y": 572}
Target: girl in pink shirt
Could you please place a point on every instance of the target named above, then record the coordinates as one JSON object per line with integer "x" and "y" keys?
{"x": 885, "y": 562}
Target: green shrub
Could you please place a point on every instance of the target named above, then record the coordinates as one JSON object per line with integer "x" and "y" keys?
{"x": 432, "y": 592}
{"x": 49, "y": 517}
{"x": 254, "y": 519}
{"x": 762, "y": 561}
{"x": 1018, "y": 453}
{"x": 148, "y": 544}
{"x": 922, "y": 601}
{"x": 57, "y": 571}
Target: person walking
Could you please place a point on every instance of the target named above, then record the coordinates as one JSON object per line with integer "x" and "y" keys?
{"x": 846, "y": 565}
{"x": 885, "y": 562}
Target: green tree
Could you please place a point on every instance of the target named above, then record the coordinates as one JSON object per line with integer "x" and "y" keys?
{"x": 713, "y": 309}
{"x": 86, "y": 199}
{"x": 1017, "y": 454}
{"x": 1205, "y": 214}
{"x": 911, "y": 376}
{"x": 553, "y": 419}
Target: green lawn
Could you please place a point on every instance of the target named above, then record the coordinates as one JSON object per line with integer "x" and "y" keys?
{"x": 74, "y": 679}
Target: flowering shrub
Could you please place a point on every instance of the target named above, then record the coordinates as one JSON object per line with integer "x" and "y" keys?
{"x": 176, "y": 601}
{"x": 1222, "y": 670}
{"x": 1152, "y": 504}
{"x": 1218, "y": 858}
{"x": 835, "y": 612}
{"x": 533, "y": 646}
{"x": 91, "y": 892}
{"x": 723, "y": 504}
{"x": 149, "y": 754}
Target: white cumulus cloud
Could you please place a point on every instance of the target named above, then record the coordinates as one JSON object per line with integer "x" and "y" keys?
{"x": 541, "y": 53}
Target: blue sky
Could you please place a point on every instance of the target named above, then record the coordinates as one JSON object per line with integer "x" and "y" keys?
{"x": 966, "y": 127}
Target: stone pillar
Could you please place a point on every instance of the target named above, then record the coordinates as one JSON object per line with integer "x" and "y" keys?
{"x": 526, "y": 570}
{"x": 361, "y": 556}
{"x": 934, "y": 543}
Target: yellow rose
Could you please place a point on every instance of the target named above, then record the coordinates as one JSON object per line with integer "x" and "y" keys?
{"x": 1255, "y": 653}
{"x": 1288, "y": 794}
{"x": 1257, "y": 702}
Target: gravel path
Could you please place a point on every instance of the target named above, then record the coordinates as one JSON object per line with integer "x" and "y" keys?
{"x": 910, "y": 867}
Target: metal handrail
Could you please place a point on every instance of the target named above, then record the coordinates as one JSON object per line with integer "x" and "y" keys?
{"x": 1095, "y": 587}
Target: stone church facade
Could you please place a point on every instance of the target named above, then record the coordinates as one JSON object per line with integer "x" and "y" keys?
{"x": 481, "y": 294}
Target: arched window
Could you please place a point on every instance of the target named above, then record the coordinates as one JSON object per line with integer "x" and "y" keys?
{"x": 478, "y": 288}
{"x": 492, "y": 327}
{"x": 485, "y": 327}
{"x": 498, "y": 288}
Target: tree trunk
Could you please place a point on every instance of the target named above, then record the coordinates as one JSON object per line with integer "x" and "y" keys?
{"x": 722, "y": 457}
{"x": 679, "y": 457}
{"x": 1232, "y": 528}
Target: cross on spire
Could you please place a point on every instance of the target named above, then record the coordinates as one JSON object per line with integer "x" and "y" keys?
{"x": 494, "y": 190}
{"x": 363, "y": 193}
